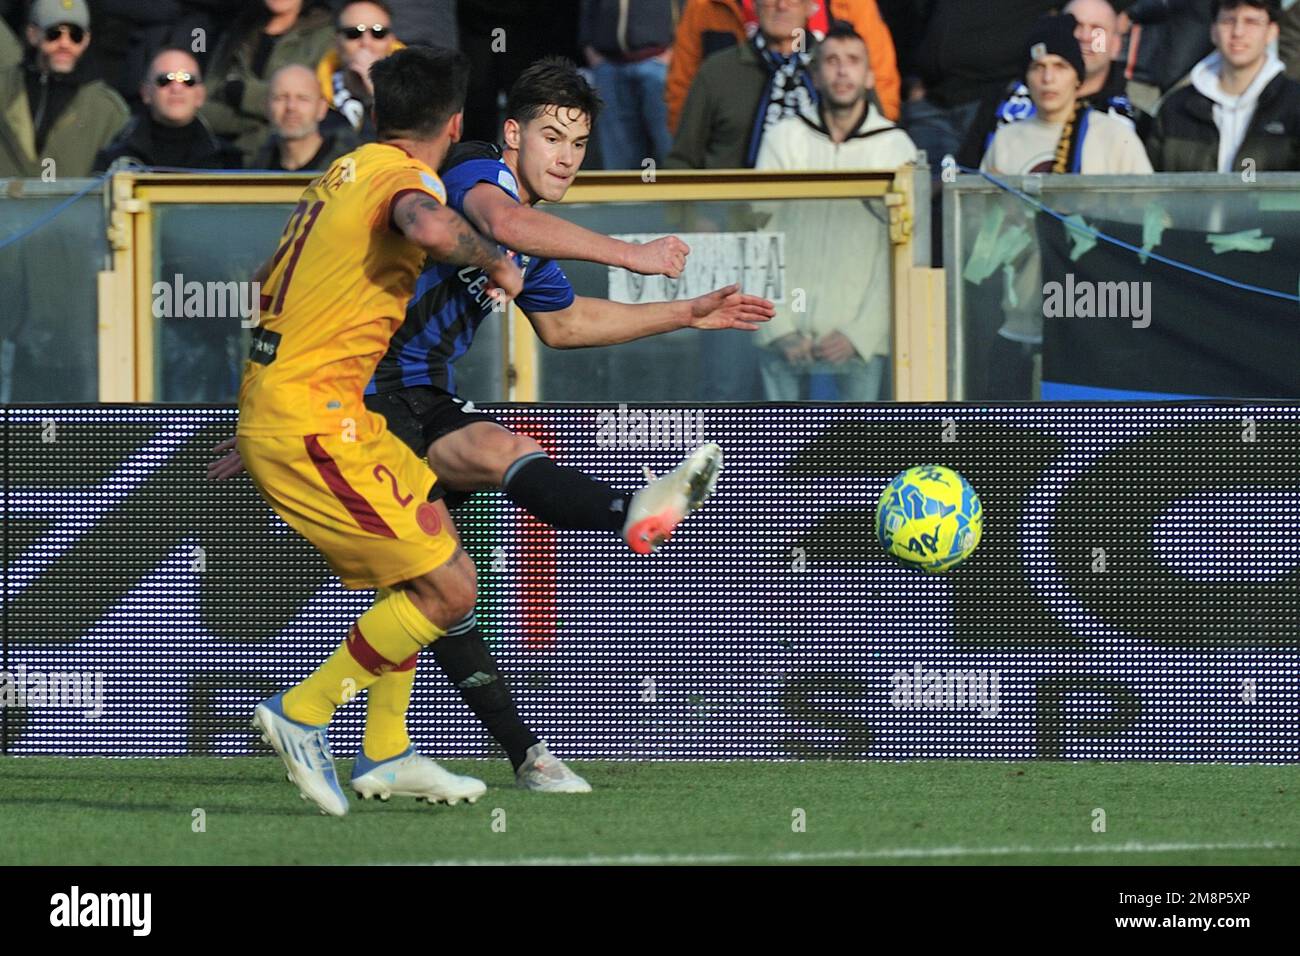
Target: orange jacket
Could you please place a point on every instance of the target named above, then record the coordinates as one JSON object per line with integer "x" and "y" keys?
{"x": 724, "y": 16}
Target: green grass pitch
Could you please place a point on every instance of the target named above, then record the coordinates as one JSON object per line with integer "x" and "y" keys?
{"x": 83, "y": 811}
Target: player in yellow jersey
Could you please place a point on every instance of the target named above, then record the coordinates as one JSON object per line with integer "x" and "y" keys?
{"x": 332, "y": 296}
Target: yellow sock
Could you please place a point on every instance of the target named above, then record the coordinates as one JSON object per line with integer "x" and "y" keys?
{"x": 384, "y": 637}
{"x": 390, "y": 699}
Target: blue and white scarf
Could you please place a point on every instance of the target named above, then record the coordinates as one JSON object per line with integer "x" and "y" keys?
{"x": 789, "y": 90}
{"x": 352, "y": 107}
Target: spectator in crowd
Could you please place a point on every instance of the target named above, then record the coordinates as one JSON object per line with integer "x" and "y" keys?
{"x": 426, "y": 22}
{"x": 1103, "y": 87}
{"x": 709, "y": 26}
{"x": 129, "y": 32}
{"x": 52, "y": 110}
{"x": 1175, "y": 36}
{"x": 834, "y": 347}
{"x": 628, "y": 44}
{"x": 363, "y": 34}
{"x": 170, "y": 133}
{"x": 1240, "y": 106}
{"x": 1064, "y": 135}
{"x": 273, "y": 34}
{"x": 738, "y": 94}
{"x": 742, "y": 91}
{"x": 968, "y": 51}
{"x": 295, "y": 109}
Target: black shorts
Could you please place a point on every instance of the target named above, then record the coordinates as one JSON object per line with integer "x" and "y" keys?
{"x": 421, "y": 414}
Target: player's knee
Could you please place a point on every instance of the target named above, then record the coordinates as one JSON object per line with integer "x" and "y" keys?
{"x": 462, "y": 595}
{"x": 447, "y": 594}
{"x": 507, "y": 448}
{"x": 459, "y": 592}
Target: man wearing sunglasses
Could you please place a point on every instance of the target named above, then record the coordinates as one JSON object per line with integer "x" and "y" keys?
{"x": 171, "y": 134}
{"x": 51, "y": 109}
{"x": 363, "y": 35}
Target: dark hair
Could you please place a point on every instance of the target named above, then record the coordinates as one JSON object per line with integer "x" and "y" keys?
{"x": 840, "y": 30}
{"x": 417, "y": 90}
{"x": 552, "y": 81}
{"x": 338, "y": 22}
{"x": 1271, "y": 7}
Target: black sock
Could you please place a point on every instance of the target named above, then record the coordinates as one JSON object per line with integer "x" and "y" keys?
{"x": 464, "y": 658}
{"x": 564, "y": 497}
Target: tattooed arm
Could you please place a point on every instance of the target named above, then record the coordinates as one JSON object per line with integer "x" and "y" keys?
{"x": 445, "y": 235}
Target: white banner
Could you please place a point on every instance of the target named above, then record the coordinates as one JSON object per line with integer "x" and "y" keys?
{"x": 754, "y": 259}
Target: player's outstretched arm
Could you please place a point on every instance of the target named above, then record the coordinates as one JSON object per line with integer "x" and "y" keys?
{"x": 588, "y": 322}
{"x": 536, "y": 233}
{"x": 445, "y": 235}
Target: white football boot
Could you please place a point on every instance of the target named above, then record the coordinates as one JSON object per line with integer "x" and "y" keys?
{"x": 305, "y": 750}
{"x": 543, "y": 772}
{"x": 658, "y": 508}
{"x": 411, "y": 774}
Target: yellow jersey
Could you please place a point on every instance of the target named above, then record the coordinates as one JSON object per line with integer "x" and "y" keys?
{"x": 338, "y": 289}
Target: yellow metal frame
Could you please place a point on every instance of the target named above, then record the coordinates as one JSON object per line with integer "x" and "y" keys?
{"x": 729, "y": 184}
{"x": 127, "y": 324}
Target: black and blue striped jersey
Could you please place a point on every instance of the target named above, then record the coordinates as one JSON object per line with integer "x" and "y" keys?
{"x": 450, "y": 302}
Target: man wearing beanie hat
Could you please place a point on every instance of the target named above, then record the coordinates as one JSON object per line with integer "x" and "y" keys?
{"x": 51, "y": 109}
{"x": 1063, "y": 135}
{"x": 1104, "y": 87}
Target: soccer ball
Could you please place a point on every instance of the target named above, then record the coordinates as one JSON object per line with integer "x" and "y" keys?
{"x": 929, "y": 517}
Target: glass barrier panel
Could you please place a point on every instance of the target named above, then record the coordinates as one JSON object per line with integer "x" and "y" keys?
{"x": 49, "y": 340}
{"x": 200, "y": 358}
{"x": 1119, "y": 318}
{"x": 826, "y": 263}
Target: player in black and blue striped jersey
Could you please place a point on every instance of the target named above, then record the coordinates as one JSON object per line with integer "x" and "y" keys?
{"x": 550, "y": 112}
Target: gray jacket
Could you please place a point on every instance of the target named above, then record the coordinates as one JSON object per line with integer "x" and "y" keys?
{"x": 89, "y": 122}
{"x": 716, "y": 122}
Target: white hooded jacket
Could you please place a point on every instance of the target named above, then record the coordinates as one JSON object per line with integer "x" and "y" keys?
{"x": 837, "y": 251}
{"x": 1232, "y": 114}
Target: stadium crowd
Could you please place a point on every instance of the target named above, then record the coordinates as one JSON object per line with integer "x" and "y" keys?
{"x": 283, "y": 84}
{"x": 1013, "y": 87}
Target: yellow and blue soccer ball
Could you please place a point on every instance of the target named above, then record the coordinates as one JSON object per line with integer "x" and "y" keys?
{"x": 929, "y": 517}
